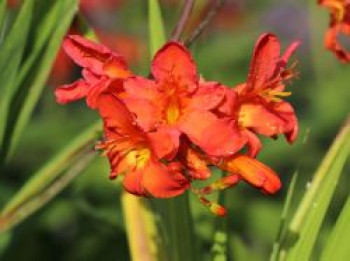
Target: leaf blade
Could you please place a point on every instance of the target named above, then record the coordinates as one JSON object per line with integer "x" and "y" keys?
{"x": 305, "y": 225}
{"x": 52, "y": 169}
{"x": 337, "y": 246}
{"x": 155, "y": 25}
{"x": 23, "y": 105}
{"x": 11, "y": 53}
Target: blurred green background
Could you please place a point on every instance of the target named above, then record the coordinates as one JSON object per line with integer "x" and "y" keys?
{"x": 85, "y": 221}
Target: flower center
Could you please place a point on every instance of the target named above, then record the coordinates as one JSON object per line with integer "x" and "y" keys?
{"x": 138, "y": 158}
{"x": 173, "y": 92}
{"x": 135, "y": 155}
{"x": 172, "y": 111}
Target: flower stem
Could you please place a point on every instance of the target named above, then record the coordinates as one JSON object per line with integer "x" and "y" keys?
{"x": 177, "y": 228}
{"x": 185, "y": 14}
{"x": 205, "y": 22}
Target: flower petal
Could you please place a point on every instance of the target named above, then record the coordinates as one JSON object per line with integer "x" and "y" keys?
{"x": 141, "y": 88}
{"x": 96, "y": 91}
{"x": 161, "y": 182}
{"x": 208, "y": 96}
{"x": 164, "y": 142}
{"x": 132, "y": 183}
{"x": 266, "y": 54}
{"x": 148, "y": 115}
{"x": 145, "y": 101}
{"x": 194, "y": 163}
{"x": 116, "y": 68}
{"x": 254, "y": 172}
{"x": 254, "y": 144}
{"x": 88, "y": 54}
{"x": 336, "y": 7}
{"x": 333, "y": 44}
{"x": 288, "y": 53}
{"x": 90, "y": 77}
{"x": 75, "y": 91}
{"x": 217, "y": 137}
{"x": 286, "y": 111}
{"x": 174, "y": 60}
{"x": 227, "y": 107}
{"x": 269, "y": 120}
{"x": 117, "y": 117}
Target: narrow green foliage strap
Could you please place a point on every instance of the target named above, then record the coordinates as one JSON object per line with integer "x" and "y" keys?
{"x": 305, "y": 225}
{"x": 337, "y": 246}
{"x": 34, "y": 73}
{"x": 11, "y": 52}
{"x": 52, "y": 169}
{"x": 156, "y": 27}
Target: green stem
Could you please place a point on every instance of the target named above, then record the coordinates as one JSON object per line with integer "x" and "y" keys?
{"x": 177, "y": 228}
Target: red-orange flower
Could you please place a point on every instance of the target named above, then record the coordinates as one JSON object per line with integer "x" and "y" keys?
{"x": 138, "y": 155}
{"x": 256, "y": 106}
{"x": 182, "y": 104}
{"x": 103, "y": 70}
{"x": 252, "y": 171}
{"x": 339, "y": 24}
{"x": 162, "y": 133}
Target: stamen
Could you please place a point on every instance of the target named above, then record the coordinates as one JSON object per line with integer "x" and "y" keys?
{"x": 220, "y": 184}
{"x": 281, "y": 94}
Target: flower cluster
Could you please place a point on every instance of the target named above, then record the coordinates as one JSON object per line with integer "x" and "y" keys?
{"x": 163, "y": 132}
{"x": 339, "y": 24}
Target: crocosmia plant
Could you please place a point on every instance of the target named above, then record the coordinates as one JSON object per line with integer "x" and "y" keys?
{"x": 164, "y": 132}
{"x": 191, "y": 145}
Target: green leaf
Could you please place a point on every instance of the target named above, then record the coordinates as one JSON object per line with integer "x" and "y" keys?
{"x": 35, "y": 71}
{"x": 337, "y": 246}
{"x": 34, "y": 81}
{"x": 283, "y": 223}
{"x": 155, "y": 26}
{"x": 5, "y": 239}
{"x": 11, "y": 53}
{"x": 286, "y": 208}
{"x": 241, "y": 251}
{"x": 33, "y": 204}
{"x": 2, "y": 13}
{"x": 305, "y": 225}
{"x": 49, "y": 172}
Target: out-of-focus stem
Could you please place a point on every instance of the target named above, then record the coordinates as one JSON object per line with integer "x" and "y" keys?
{"x": 141, "y": 229}
{"x": 177, "y": 228}
{"x": 205, "y": 22}
{"x": 11, "y": 219}
{"x": 185, "y": 14}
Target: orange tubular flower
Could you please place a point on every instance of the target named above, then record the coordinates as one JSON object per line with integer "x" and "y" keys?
{"x": 179, "y": 102}
{"x": 137, "y": 155}
{"x": 339, "y": 23}
{"x": 103, "y": 70}
{"x": 256, "y": 105}
{"x": 252, "y": 171}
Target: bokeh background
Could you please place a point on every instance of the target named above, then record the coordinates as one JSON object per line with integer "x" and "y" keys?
{"x": 85, "y": 222}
